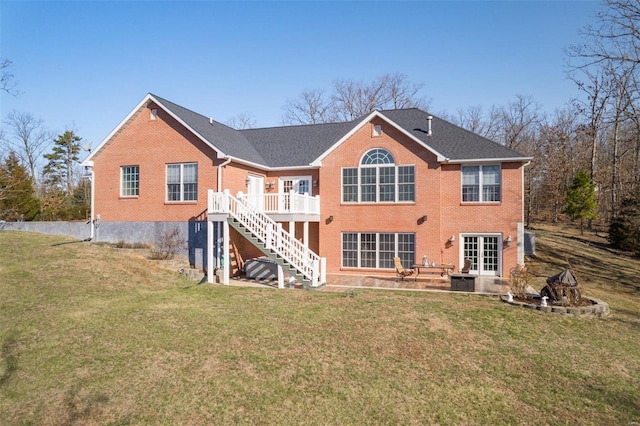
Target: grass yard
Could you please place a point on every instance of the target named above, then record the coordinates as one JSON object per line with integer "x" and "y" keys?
{"x": 89, "y": 335}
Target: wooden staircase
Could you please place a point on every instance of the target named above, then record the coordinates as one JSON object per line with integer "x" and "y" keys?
{"x": 287, "y": 267}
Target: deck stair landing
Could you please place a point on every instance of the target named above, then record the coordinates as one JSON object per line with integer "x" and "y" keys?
{"x": 267, "y": 235}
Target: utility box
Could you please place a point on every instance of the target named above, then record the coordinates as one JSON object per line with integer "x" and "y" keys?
{"x": 463, "y": 282}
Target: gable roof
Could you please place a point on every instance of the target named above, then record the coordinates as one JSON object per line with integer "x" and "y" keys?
{"x": 305, "y": 146}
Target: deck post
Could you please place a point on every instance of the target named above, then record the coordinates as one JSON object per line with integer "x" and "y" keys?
{"x": 210, "y": 267}
{"x": 280, "y": 277}
{"x": 305, "y": 234}
{"x": 227, "y": 260}
{"x": 292, "y": 229}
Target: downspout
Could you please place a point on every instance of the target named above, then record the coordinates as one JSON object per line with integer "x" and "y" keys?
{"x": 93, "y": 202}
{"x": 227, "y": 161}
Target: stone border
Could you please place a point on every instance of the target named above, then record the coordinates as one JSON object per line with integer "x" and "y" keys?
{"x": 597, "y": 309}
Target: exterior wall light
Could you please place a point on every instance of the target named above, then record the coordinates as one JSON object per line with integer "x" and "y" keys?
{"x": 452, "y": 239}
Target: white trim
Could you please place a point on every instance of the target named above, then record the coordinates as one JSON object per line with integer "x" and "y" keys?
{"x": 482, "y": 235}
{"x": 490, "y": 160}
{"x": 480, "y": 184}
{"x": 318, "y": 161}
{"x": 377, "y": 201}
{"x": 181, "y": 184}
{"x": 122, "y": 195}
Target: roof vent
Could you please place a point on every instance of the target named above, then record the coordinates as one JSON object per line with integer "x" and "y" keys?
{"x": 429, "y": 118}
{"x": 210, "y": 120}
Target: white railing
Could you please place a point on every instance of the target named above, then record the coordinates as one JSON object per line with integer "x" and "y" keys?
{"x": 271, "y": 234}
{"x": 286, "y": 202}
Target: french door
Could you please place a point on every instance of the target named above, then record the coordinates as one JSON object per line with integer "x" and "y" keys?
{"x": 301, "y": 185}
{"x": 484, "y": 253}
{"x": 297, "y": 184}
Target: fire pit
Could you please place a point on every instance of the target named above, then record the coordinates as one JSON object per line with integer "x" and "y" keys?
{"x": 562, "y": 289}
{"x": 561, "y": 295}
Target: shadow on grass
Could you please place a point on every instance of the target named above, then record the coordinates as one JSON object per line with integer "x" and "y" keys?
{"x": 590, "y": 266}
{"x": 8, "y": 355}
{"x": 71, "y": 242}
{"x": 82, "y": 408}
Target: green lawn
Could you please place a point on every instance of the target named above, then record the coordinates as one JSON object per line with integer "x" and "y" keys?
{"x": 90, "y": 335}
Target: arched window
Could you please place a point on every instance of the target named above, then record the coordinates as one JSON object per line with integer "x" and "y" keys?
{"x": 378, "y": 180}
{"x": 377, "y": 156}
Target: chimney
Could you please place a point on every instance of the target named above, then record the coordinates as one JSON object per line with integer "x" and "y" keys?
{"x": 429, "y": 118}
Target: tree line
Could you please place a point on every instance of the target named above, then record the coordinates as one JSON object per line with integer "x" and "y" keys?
{"x": 36, "y": 184}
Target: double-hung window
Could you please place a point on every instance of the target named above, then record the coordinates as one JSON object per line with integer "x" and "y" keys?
{"x": 481, "y": 183}
{"x": 129, "y": 181}
{"x": 377, "y": 249}
{"x": 182, "y": 182}
{"x": 378, "y": 180}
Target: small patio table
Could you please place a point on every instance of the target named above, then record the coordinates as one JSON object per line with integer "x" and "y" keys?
{"x": 442, "y": 269}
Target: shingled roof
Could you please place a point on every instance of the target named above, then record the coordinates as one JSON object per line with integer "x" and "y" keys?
{"x": 302, "y": 146}
{"x": 453, "y": 142}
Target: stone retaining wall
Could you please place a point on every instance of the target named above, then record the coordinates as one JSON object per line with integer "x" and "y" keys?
{"x": 598, "y": 308}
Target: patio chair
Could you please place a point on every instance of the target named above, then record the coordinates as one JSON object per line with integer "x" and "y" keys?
{"x": 467, "y": 266}
{"x": 400, "y": 269}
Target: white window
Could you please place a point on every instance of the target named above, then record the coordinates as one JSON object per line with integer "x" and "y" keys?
{"x": 378, "y": 180}
{"x": 154, "y": 114}
{"x": 481, "y": 183}
{"x": 182, "y": 182}
{"x": 129, "y": 181}
{"x": 377, "y": 249}
{"x": 377, "y": 130}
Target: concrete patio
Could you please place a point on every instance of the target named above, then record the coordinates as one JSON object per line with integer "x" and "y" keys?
{"x": 348, "y": 282}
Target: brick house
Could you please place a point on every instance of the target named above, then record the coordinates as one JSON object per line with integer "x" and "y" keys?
{"x": 327, "y": 198}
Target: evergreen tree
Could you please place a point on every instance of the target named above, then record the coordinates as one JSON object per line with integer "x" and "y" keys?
{"x": 17, "y": 194}
{"x": 59, "y": 171}
{"x": 581, "y": 199}
{"x": 624, "y": 230}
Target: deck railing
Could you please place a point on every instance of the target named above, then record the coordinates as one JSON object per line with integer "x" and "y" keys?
{"x": 285, "y": 202}
{"x": 271, "y": 234}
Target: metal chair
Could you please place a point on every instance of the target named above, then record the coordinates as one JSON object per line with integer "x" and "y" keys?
{"x": 467, "y": 266}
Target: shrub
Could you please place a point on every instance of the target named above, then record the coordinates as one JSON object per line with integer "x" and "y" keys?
{"x": 624, "y": 230}
{"x": 168, "y": 245}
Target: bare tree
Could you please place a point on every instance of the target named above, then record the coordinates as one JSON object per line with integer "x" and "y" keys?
{"x": 556, "y": 158}
{"x": 473, "y": 119}
{"x": 312, "y": 107}
{"x": 7, "y": 83}
{"x": 519, "y": 121}
{"x": 598, "y": 90}
{"x": 28, "y": 137}
{"x": 615, "y": 37}
{"x": 352, "y": 99}
{"x": 244, "y": 120}
{"x": 404, "y": 94}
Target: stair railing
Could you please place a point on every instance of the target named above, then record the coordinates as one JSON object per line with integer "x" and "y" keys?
{"x": 272, "y": 235}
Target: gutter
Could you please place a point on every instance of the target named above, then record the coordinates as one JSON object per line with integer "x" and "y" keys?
{"x": 227, "y": 161}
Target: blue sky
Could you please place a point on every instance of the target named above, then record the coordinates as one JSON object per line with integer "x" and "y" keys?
{"x": 85, "y": 65}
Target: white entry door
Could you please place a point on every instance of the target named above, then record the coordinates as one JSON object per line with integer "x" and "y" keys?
{"x": 255, "y": 191}
{"x": 484, "y": 252}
